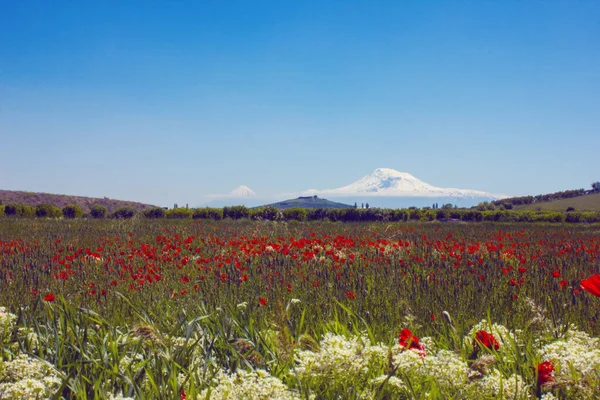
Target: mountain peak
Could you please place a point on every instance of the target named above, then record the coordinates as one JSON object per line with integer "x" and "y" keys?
{"x": 243, "y": 191}
{"x": 389, "y": 182}
{"x": 389, "y": 172}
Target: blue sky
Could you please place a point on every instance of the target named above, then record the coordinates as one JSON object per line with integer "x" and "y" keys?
{"x": 169, "y": 101}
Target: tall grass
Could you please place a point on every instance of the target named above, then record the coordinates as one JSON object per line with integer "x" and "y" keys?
{"x": 147, "y": 309}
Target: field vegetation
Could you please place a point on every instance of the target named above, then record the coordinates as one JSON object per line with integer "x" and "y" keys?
{"x": 588, "y": 202}
{"x": 484, "y": 212}
{"x": 163, "y": 309}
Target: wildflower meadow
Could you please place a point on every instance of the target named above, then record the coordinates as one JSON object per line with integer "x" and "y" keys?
{"x": 186, "y": 309}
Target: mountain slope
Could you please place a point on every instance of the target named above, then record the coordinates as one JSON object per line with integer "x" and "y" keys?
{"x": 307, "y": 202}
{"x": 389, "y": 182}
{"x": 61, "y": 200}
{"x": 587, "y": 202}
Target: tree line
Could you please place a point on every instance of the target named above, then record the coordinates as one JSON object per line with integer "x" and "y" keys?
{"x": 302, "y": 214}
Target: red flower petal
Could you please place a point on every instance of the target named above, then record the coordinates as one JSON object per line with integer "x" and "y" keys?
{"x": 592, "y": 285}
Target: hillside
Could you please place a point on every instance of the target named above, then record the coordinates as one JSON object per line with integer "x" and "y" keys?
{"x": 308, "y": 202}
{"x": 61, "y": 200}
{"x": 587, "y": 202}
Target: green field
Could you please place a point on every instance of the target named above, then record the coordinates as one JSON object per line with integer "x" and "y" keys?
{"x": 184, "y": 309}
{"x": 588, "y": 202}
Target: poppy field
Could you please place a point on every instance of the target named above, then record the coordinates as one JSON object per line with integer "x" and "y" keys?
{"x": 164, "y": 309}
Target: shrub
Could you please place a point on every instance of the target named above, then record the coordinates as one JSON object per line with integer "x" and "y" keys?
{"x": 297, "y": 214}
{"x": 1, "y": 210}
{"x": 267, "y": 213}
{"x": 200, "y": 213}
{"x": 215, "y": 213}
{"x": 316, "y": 214}
{"x": 154, "y": 212}
{"x": 124, "y": 212}
{"x": 28, "y": 211}
{"x": 72, "y": 211}
{"x": 11, "y": 209}
{"x": 236, "y": 212}
{"x": 180, "y": 213}
{"x": 98, "y": 211}
{"x": 350, "y": 215}
{"x": 19, "y": 210}
{"x": 415, "y": 214}
{"x": 48, "y": 211}
{"x": 208, "y": 213}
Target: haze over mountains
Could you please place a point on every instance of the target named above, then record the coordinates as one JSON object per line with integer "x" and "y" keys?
{"x": 384, "y": 187}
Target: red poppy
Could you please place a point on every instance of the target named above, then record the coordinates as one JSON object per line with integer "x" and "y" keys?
{"x": 49, "y": 297}
{"x": 556, "y": 274}
{"x": 262, "y": 301}
{"x": 487, "y": 340}
{"x": 545, "y": 372}
{"x": 563, "y": 283}
{"x": 406, "y": 338}
{"x": 592, "y": 285}
{"x": 350, "y": 295}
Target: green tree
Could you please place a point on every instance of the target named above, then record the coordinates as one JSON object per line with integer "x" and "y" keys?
{"x": 72, "y": 211}
{"x": 236, "y": 212}
{"x": 48, "y": 211}
{"x": 154, "y": 212}
{"x": 296, "y": 213}
{"x": 125, "y": 212}
{"x": 98, "y": 211}
{"x": 180, "y": 213}
{"x": 12, "y": 210}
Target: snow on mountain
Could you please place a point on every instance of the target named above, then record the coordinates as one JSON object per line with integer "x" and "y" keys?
{"x": 389, "y": 182}
{"x": 242, "y": 191}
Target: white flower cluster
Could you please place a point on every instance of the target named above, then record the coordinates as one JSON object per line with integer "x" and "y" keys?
{"x": 340, "y": 361}
{"x": 28, "y": 378}
{"x": 118, "y": 396}
{"x": 7, "y": 322}
{"x": 496, "y": 386}
{"x": 446, "y": 368}
{"x": 243, "y": 385}
{"x": 575, "y": 352}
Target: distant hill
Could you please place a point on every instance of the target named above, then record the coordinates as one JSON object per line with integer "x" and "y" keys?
{"x": 585, "y": 202}
{"x": 307, "y": 202}
{"x": 61, "y": 200}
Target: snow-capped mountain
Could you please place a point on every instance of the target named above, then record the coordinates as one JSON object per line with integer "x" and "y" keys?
{"x": 389, "y": 182}
{"x": 240, "y": 196}
{"x": 388, "y": 188}
{"x": 243, "y": 191}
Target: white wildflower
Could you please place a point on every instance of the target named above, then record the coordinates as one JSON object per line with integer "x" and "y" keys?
{"x": 339, "y": 361}
{"x": 496, "y": 386}
{"x": 243, "y": 385}
{"x": 28, "y": 378}
{"x": 118, "y": 396}
{"x": 7, "y": 322}
{"x": 446, "y": 368}
{"x": 575, "y": 351}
